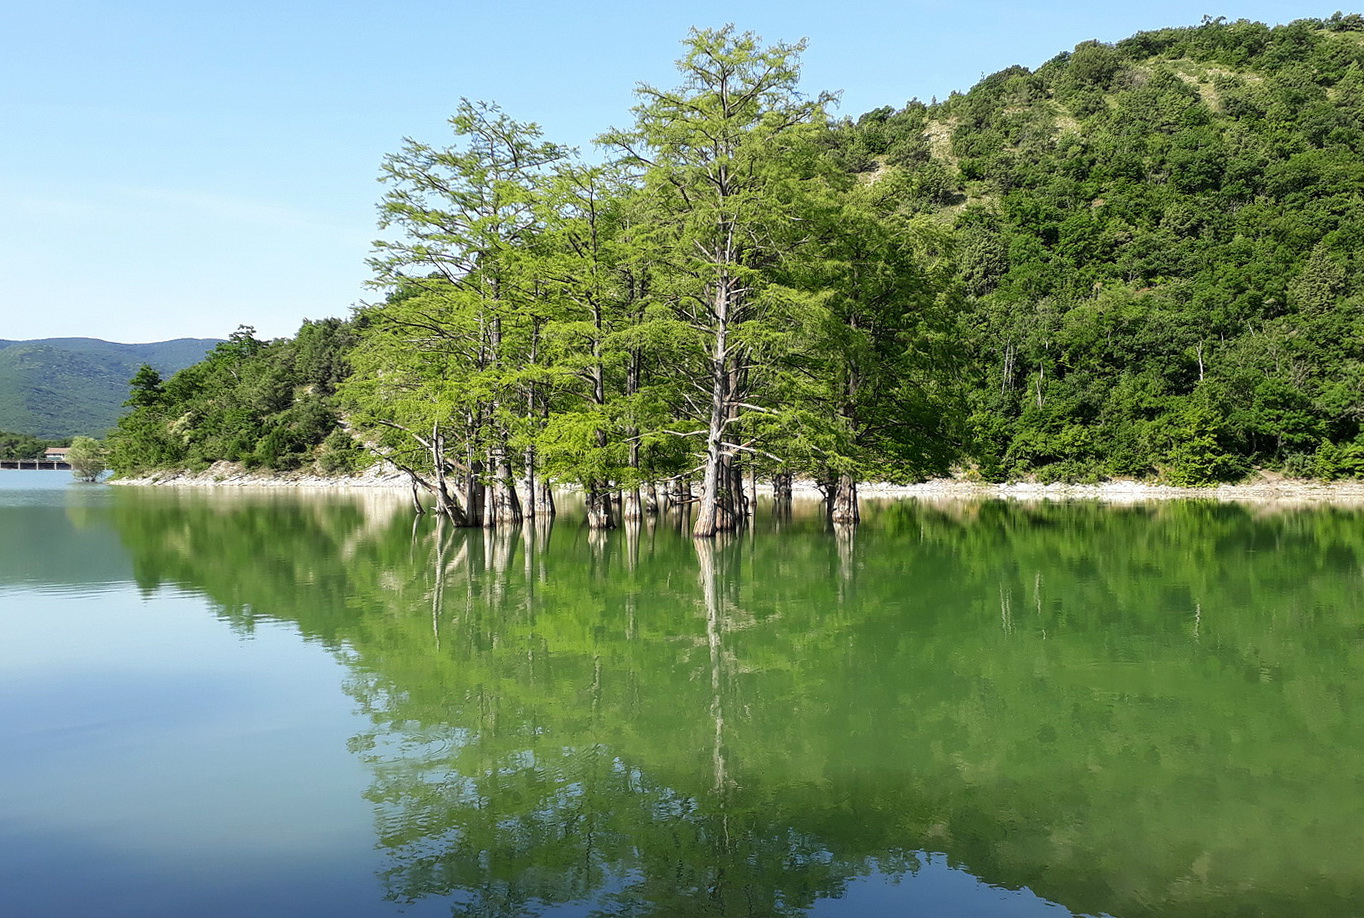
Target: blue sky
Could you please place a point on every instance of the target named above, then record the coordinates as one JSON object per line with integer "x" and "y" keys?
{"x": 175, "y": 169}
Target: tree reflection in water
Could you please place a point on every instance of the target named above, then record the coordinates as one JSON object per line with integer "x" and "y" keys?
{"x": 1133, "y": 711}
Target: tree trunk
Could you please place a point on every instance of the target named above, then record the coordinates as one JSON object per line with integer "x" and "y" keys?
{"x": 506, "y": 506}
{"x": 532, "y": 485}
{"x": 632, "y": 503}
{"x": 828, "y": 487}
{"x": 445, "y": 501}
{"x": 544, "y": 501}
{"x": 843, "y": 507}
{"x": 651, "y": 497}
{"x": 781, "y": 494}
{"x": 714, "y": 512}
{"x": 416, "y": 497}
{"x": 739, "y": 494}
{"x": 473, "y": 489}
{"x": 632, "y": 507}
{"x": 781, "y": 487}
{"x": 600, "y": 513}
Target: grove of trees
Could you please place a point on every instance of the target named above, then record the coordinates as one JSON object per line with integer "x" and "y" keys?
{"x": 718, "y": 299}
{"x": 1140, "y": 259}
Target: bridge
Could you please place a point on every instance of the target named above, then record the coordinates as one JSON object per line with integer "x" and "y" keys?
{"x": 46, "y": 465}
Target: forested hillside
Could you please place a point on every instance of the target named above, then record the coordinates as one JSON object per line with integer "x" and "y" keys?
{"x": 63, "y": 387}
{"x": 260, "y": 403}
{"x": 1141, "y": 259}
{"x": 1159, "y": 243}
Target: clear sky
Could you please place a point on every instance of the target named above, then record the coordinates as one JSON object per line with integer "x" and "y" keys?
{"x": 175, "y": 169}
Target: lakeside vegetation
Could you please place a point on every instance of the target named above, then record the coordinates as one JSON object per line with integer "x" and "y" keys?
{"x": 1140, "y": 259}
{"x": 264, "y": 404}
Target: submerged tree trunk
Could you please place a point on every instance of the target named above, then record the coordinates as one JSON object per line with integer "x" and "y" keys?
{"x": 708, "y": 508}
{"x": 742, "y": 507}
{"x": 446, "y": 503}
{"x": 782, "y": 483}
{"x": 828, "y": 485}
{"x": 600, "y": 512}
{"x": 632, "y": 505}
{"x": 781, "y": 494}
{"x": 544, "y": 499}
{"x": 416, "y": 497}
{"x": 718, "y": 508}
{"x": 506, "y": 505}
{"x": 532, "y": 485}
{"x": 650, "y": 497}
{"x": 843, "y": 505}
{"x": 473, "y": 489}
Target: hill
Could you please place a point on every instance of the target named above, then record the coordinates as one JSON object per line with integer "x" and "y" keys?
{"x": 64, "y": 387}
{"x": 1158, "y": 245}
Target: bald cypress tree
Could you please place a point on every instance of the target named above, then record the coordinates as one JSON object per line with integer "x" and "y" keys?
{"x": 720, "y": 157}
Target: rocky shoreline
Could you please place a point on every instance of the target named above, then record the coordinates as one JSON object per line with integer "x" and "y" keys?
{"x": 1125, "y": 491}
{"x": 231, "y": 475}
{"x": 1265, "y": 488}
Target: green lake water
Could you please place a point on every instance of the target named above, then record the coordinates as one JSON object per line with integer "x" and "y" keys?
{"x": 299, "y": 705}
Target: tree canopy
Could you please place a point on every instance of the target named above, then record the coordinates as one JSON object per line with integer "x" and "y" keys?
{"x": 1140, "y": 259}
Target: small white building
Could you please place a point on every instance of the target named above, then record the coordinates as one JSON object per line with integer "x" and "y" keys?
{"x": 56, "y": 453}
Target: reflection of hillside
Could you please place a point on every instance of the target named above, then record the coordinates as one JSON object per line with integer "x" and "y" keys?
{"x": 263, "y": 554}
{"x": 1136, "y": 711}
{"x": 56, "y": 541}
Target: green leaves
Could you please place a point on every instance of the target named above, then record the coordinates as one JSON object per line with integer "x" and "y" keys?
{"x": 263, "y": 404}
{"x": 87, "y": 458}
{"x": 1155, "y": 229}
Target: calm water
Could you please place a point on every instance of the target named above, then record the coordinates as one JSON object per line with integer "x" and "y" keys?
{"x": 303, "y": 705}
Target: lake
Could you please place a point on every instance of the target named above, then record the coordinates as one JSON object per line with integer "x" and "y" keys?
{"x": 304, "y": 704}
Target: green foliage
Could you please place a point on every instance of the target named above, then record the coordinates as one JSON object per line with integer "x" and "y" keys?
{"x": 87, "y": 458}
{"x": 1345, "y": 460}
{"x": 1196, "y": 456}
{"x": 1158, "y": 251}
{"x": 263, "y": 404}
{"x": 1141, "y": 259}
{"x": 24, "y": 446}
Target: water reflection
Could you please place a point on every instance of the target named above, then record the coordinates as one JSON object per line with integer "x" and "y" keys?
{"x": 54, "y": 536}
{"x": 1136, "y": 711}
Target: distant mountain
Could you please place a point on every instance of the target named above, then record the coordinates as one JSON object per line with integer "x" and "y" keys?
{"x": 65, "y": 387}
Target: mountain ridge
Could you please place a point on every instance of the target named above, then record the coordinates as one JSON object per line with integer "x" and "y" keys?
{"x": 75, "y": 386}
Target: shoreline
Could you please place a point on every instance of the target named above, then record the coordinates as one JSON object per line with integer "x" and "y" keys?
{"x": 229, "y": 475}
{"x": 1267, "y": 489}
